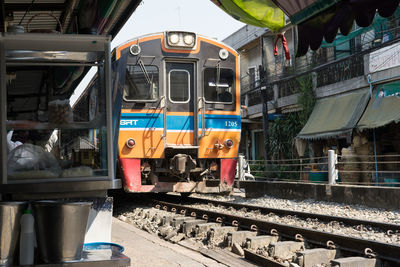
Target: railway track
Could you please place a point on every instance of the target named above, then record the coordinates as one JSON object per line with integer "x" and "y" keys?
{"x": 388, "y": 227}
{"x": 264, "y": 242}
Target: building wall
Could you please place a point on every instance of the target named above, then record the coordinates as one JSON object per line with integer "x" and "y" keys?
{"x": 250, "y": 58}
{"x": 244, "y": 36}
{"x": 334, "y": 71}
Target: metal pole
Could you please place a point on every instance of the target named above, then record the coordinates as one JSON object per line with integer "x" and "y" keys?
{"x": 332, "y": 171}
{"x": 373, "y": 133}
{"x": 3, "y": 115}
{"x": 240, "y": 167}
{"x": 265, "y": 125}
{"x": 264, "y": 102}
{"x": 111, "y": 158}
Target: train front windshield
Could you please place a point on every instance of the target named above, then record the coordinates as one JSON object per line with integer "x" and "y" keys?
{"x": 218, "y": 85}
{"x": 141, "y": 83}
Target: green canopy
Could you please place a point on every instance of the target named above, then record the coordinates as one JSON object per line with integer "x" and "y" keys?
{"x": 261, "y": 13}
{"x": 379, "y": 25}
{"x": 334, "y": 116}
{"x": 383, "y": 108}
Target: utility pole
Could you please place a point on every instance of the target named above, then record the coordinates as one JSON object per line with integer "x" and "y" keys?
{"x": 265, "y": 122}
{"x": 264, "y": 94}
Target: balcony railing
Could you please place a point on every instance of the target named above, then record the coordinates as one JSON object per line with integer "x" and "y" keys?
{"x": 248, "y": 83}
{"x": 288, "y": 87}
{"x": 342, "y": 70}
{"x": 330, "y": 64}
{"x": 347, "y": 57}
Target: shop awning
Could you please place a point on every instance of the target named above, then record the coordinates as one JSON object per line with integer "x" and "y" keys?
{"x": 383, "y": 108}
{"x": 334, "y": 116}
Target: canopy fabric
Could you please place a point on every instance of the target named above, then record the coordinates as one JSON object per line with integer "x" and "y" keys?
{"x": 316, "y": 20}
{"x": 300, "y": 10}
{"x": 340, "y": 16}
{"x": 379, "y": 26}
{"x": 334, "y": 116}
{"x": 383, "y": 108}
{"x": 261, "y": 13}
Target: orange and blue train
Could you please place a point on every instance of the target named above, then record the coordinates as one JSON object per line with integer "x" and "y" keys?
{"x": 180, "y": 122}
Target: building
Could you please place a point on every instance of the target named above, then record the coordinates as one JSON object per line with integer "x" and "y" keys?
{"x": 355, "y": 82}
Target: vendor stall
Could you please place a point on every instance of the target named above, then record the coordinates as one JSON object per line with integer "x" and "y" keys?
{"x": 56, "y": 144}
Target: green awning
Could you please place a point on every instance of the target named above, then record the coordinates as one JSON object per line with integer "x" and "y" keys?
{"x": 334, "y": 116}
{"x": 261, "y": 13}
{"x": 383, "y": 108}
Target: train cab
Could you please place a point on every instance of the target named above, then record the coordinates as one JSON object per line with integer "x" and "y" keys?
{"x": 179, "y": 128}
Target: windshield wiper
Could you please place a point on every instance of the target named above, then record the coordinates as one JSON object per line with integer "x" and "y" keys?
{"x": 218, "y": 74}
{"x": 146, "y": 75}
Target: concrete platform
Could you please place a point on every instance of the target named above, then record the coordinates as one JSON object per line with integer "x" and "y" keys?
{"x": 146, "y": 249}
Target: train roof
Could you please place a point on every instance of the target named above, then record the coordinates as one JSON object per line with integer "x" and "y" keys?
{"x": 159, "y": 33}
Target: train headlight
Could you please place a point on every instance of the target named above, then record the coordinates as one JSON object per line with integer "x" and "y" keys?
{"x": 173, "y": 38}
{"x": 130, "y": 143}
{"x": 223, "y": 54}
{"x": 229, "y": 143}
{"x": 188, "y": 39}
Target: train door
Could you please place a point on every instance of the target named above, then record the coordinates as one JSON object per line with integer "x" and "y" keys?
{"x": 180, "y": 99}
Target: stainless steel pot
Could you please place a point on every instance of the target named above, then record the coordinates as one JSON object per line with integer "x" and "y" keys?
{"x": 10, "y": 215}
{"x": 60, "y": 229}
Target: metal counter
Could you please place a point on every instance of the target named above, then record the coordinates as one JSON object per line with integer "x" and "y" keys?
{"x": 95, "y": 258}
{"x": 60, "y": 187}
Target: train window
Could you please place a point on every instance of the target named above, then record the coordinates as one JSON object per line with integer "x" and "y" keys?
{"x": 218, "y": 85}
{"x": 141, "y": 83}
{"x": 179, "y": 85}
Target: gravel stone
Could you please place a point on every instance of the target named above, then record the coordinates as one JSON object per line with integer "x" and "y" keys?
{"x": 327, "y": 208}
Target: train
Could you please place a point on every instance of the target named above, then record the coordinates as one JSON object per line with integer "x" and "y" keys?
{"x": 177, "y": 113}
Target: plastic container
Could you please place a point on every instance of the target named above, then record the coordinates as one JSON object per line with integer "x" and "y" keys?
{"x": 392, "y": 182}
{"x": 102, "y": 249}
{"x": 27, "y": 239}
{"x": 318, "y": 177}
{"x": 103, "y": 245}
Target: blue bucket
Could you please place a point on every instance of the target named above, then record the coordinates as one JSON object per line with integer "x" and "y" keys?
{"x": 102, "y": 246}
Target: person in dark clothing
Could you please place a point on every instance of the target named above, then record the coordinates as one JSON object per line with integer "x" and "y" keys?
{"x": 225, "y": 96}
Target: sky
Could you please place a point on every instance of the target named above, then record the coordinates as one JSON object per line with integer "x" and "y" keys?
{"x": 199, "y": 16}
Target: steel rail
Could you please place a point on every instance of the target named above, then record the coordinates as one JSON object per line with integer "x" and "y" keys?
{"x": 283, "y": 212}
{"x": 384, "y": 251}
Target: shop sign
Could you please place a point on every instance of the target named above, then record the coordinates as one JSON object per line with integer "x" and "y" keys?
{"x": 383, "y": 92}
{"x": 386, "y": 92}
{"x": 388, "y": 89}
{"x": 384, "y": 58}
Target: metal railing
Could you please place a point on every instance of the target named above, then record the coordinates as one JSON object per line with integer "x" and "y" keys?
{"x": 350, "y": 60}
{"x": 382, "y": 170}
{"x": 345, "y": 69}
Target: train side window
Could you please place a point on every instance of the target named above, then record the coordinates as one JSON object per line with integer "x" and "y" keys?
{"x": 179, "y": 81}
{"x": 141, "y": 83}
{"x": 218, "y": 88}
